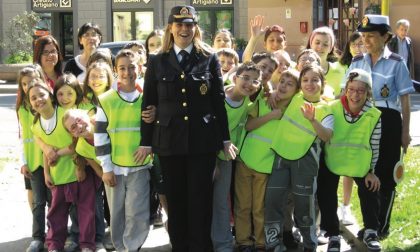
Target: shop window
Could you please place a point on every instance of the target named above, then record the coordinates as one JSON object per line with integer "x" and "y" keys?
{"x": 212, "y": 20}
{"x": 132, "y": 25}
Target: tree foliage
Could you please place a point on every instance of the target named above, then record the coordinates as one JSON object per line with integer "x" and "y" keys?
{"x": 19, "y": 37}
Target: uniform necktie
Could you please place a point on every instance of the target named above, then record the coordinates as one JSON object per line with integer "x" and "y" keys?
{"x": 184, "y": 61}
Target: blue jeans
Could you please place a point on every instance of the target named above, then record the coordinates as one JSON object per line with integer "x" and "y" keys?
{"x": 41, "y": 195}
{"x": 221, "y": 234}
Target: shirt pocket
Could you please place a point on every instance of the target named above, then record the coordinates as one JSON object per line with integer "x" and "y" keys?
{"x": 166, "y": 85}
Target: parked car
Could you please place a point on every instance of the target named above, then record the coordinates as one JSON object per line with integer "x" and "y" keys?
{"x": 116, "y": 46}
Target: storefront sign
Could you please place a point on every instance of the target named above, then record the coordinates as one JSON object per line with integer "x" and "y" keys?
{"x": 212, "y": 3}
{"x": 127, "y": 4}
{"x": 51, "y": 5}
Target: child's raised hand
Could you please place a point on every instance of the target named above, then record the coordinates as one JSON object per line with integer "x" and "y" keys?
{"x": 149, "y": 115}
{"x": 25, "y": 171}
{"x": 256, "y": 25}
{"x": 308, "y": 111}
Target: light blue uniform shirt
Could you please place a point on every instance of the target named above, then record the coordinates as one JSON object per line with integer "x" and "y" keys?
{"x": 390, "y": 78}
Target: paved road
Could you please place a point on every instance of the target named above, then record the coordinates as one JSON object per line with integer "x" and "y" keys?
{"x": 15, "y": 227}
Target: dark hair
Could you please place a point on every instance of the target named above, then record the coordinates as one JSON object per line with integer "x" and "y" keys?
{"x": 346, "y": 57}
{"x": 87, "y": 91}
{"x": 225, "y": 31}
{"x": 38, "y": 82}
{"x": 308, "y": 51}
{"x": 39, "y": 48}
{"x": 132, "y": 44}
{"x": 100, "y": 55}
{"x": 21, "y": 96}
{"x": 316, "y": 69}
{"x": 70, "y": 80}
{"x": 257, "y": 57}
{"x": 126, "y": 53}
{"x": 248, "y": 66}
{"x": 158, "y": 32}
{"x": 86, "y": 27}
{"x": 294, "y": 74}
{"x": 275, "y": 28}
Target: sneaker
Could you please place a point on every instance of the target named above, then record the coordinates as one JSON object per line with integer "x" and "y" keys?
{"x": 100, "y": 247}
{"x": 371, "y": 240}
{"x": 86, "y": 250}
{"x": 289, "y": 240}
{"x": 108, "y": 241}
{"x": 334, "y": 244}
{"x": 309, "y": 250}
{"x": 158, "y": 221}
{"x": 361, "y": 233}
{"x": 245, "y": 248}
{"x": 35, "y": 246}
{"x": 346, "y": 217}
{"x": 53, "y": 250}
{"x": 322, "y": 238}
{"x": 70, "y": 246}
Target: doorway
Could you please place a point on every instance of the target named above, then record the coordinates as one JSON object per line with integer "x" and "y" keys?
{"x": 66, "y": 32}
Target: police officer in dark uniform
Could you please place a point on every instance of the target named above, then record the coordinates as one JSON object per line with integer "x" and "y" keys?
{"x": 391, "y": 86}
{"x": 184, "y": 82}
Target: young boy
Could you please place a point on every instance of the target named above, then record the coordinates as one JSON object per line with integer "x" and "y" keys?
{"x": 251, "y": 179}
{"x": 228, "y": 59}
{"x": 117, "y": 138}
{"x": 237, "y": 103}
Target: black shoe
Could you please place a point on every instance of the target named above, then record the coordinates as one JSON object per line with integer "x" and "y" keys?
{"x": 289, "y": 240}
{"x": 371, "y": 240}
{"x": 309, "y": 250}
{"x": 245, "y": 248}
{"x": 334, "y": 244}
{"x": 361, "y": 233}
{"x": 383, "y": 235}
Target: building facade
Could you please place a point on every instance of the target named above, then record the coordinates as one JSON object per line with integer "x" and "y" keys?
{"x": 133, "y": 19}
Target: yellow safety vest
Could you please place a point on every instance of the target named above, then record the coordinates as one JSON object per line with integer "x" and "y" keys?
{"x": 256, "y": 151}
{"x": 349, "y": 153}
{"x": 124, "y": 120}
{"x": 84, "y": 149}
{"x": 31, "y": 151}
{"x": 64, "y": 171}
{"x": 295, "y": 135}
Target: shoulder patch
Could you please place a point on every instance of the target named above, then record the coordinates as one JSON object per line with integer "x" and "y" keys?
{"x": 357, "y": 57}
{"x": 396, "y": 57}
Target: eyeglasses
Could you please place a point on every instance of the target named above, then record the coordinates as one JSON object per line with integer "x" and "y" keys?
{"x": 90, "y": 34}
{"x": 304, "y": 59}
{"x": 247, "y": 78}
{"x": 48, "y": 53}
{"x": 358, "y": 91}
{"x": 358, "y": 45}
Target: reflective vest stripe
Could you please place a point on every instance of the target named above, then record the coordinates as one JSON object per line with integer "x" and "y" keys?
{"x": 299, "y": 126}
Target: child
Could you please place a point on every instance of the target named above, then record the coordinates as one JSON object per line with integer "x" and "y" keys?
{"x": 126, "y": 181}
{"x": 237, "y": 103}
{"x": 228, "y": 59}
{"x": 287, "y": 88}
{"x": 223, "y": 39}
{"x": 352, "y": 151}
{"x": 31, "y": 158}
{"x": 297, "y": 146}
{"x": 67, "y": 91}
{"x": 284, "y": 63}
{"x": 307, "y": 57}
{"x": 60, "y": 173}
{"x": 251, "y": 171}
{"x": 98, "y": 80}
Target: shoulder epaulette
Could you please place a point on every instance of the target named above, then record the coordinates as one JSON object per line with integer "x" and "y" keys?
{"x": 357, "y": 57}
{"x": 396, "y": 57}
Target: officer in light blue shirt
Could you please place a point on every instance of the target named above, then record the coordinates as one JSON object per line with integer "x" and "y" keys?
{"x": 391, "y": 88}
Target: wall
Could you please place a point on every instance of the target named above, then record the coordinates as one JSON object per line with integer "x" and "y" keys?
{"x": 275, "y": 13}
{"x": 408, "y": 9}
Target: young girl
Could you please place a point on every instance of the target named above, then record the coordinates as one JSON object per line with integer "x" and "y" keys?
{"x": 252, "y": 171}
{"x": 284, "y": 63}
{"x": 223, "y": 39}
{"x": 31, "y": 159}
{"x": 98, "y": 80}
{"x": 297, "y": 146}
{"x": 307, "y": 57}
{"x": 322, "y": 41}
{"x": 352, "y": 151}
{"x": 60, "y": 174}
{"x": 67, "y": 91}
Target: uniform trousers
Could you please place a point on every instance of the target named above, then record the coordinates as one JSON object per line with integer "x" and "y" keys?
{"x": 83, "y": 195}
{"x": 189, "y": 192}
{"x": 129, "y": 208}
{"x": 389, "y": 155}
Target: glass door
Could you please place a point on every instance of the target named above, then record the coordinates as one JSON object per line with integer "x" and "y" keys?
{"x": 67, "y": 46}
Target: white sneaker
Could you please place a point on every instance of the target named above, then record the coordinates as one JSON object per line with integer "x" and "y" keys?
{"x": 100, "y": 247}
{"x": 322, "y": 239}
{"x": 86, "y": 250}
{"x": 346, "y": 217}
{"x": 35, "y": 246}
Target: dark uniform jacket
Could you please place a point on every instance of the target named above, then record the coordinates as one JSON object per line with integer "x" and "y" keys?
{"x": 393, "y": 47}
{"x": 191, "y": 116}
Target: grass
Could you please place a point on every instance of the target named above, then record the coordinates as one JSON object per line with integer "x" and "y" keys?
{"x": 405, "y": 218}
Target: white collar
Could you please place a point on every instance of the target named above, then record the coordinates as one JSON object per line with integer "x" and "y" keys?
{"x": 177, "y": 49}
